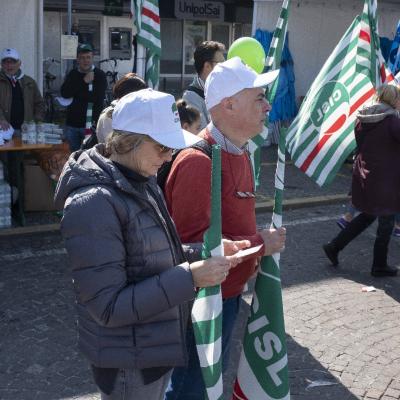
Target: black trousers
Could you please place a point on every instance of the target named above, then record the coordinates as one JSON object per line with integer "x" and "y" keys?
{"x": 383, "y": 235}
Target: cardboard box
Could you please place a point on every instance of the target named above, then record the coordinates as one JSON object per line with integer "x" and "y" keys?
{"x": 39, "y": 188}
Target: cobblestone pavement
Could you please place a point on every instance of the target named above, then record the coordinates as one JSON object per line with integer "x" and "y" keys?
{"x": 336, "y": 334}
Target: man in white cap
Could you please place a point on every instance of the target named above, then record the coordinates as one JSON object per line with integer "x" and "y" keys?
{"x": 20, "y": 98}
{"x": 235, "y": 98}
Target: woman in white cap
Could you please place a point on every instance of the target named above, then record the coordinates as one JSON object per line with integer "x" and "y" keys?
{"x": 131, "y": 274}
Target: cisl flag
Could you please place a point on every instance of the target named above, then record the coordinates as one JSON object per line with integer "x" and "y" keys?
{"x": 321, "y": 136}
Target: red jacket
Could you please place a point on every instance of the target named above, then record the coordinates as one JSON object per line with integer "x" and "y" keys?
{"x": 187, "y": 192}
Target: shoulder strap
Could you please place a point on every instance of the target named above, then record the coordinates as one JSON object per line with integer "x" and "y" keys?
{"x": 195, "y": 89}
{"x": 165, "y": 169}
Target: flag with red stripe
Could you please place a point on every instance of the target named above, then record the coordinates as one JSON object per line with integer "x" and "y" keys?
{"x": 321, "y": 136}
{"x": 148, "y": 35}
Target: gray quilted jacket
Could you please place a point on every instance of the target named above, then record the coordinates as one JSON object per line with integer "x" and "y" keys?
{"x": 130, "y": 274}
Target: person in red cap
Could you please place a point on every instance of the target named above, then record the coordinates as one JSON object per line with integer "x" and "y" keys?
{"x": 20, "y": 98}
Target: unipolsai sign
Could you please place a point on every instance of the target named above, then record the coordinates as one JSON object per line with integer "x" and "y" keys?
{"x": 199, "y": 10}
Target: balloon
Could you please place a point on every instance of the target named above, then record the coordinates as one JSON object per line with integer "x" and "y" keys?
{"x": 250, "y": 51}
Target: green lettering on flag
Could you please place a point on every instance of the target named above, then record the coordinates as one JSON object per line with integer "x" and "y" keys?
{"x": 321, "y": 137}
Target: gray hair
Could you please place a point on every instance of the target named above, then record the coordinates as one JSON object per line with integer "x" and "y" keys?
{"x": 122, "y": 142}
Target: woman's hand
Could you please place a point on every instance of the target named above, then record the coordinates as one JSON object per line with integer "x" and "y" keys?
{"x": 212, "y": 271}
{"x": 232, "y": 247}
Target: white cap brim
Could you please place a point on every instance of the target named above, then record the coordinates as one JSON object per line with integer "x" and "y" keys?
{"x": 177, "y": 140}
{"x": 263, "y": 80}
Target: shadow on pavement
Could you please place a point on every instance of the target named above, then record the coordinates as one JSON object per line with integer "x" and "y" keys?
{"x": 309, "y": 379}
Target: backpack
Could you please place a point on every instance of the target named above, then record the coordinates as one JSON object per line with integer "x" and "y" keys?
{"x": 198, "y": 91}
{"x": 164, "y": 170}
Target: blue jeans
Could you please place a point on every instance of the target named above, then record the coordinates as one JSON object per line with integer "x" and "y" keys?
{"x": 74, "y": 137}
{"x": 187, "y": 383}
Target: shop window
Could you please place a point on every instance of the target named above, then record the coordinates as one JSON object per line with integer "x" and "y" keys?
{"x": 195, "y": 33}
{"x": 171, "y": 46}
{"x": 241, "y": 30}
{"x": 220, "y": 33}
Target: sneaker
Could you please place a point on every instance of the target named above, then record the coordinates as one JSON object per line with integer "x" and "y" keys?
{"x": 331, "y": 253}
{"x": 396, "y": 232}
{"x": 386, "y": 271}
{"x": 342, "y": 223}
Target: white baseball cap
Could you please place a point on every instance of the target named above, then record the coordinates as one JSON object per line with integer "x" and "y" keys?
{"x": 155, "y": 114}
{"x": 10, "y": 53}
{"x": 231, "y": 77}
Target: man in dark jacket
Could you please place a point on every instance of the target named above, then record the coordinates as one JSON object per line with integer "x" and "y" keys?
{"x": 20, "y": 98}
{"x": 86, "y": 87}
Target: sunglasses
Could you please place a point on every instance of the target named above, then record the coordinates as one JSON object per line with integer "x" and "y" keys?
{"x": 164, "y": 149}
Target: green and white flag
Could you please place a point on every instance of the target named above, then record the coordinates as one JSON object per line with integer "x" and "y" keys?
{"x": 263, "y": 366}
{"x": 321, "y": 137}
{"x": 148, "y": 35}
{"x": 272, "y": 62}
{"x": 207, "y": 308}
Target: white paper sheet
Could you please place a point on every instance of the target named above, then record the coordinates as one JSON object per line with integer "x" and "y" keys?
{"x": 247, "y": 252}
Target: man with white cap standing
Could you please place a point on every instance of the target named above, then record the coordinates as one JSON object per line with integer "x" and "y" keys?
{"x": 20, "y": 98}
{"x": 235, "y": 98}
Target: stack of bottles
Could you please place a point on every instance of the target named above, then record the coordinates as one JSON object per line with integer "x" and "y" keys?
{"x": 41, "y": 133}
{"x": 5, "y": 200}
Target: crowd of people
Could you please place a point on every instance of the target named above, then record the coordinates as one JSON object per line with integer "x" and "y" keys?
{"x": 135, "y": 248}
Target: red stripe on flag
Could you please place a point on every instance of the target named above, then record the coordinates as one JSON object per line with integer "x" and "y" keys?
{"x": 325, "y": 138}
{"x": 361, "y": 100}
{"x": 237, "y": 392}
{"x": 390, "y": 78}
{"x": 314, "y": 152}
{"x": 151, "y": 14}
{"x": 365, "y": 36}
{"x": 383, "y": 73}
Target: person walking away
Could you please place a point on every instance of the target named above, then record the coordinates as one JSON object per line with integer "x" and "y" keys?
{"x": 376, "y": 178}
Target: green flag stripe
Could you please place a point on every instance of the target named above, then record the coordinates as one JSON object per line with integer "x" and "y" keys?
{"x": 208, "y": 331}
{"x": 212, "y": 373}
{"x": 331, "y": 175}
{"x": 208, "y": 291}
{"x": 332, "y": 149}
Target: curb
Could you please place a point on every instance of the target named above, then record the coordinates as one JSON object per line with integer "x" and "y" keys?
{"x": 300, "y": 202}
{"x": 24, "y": 230}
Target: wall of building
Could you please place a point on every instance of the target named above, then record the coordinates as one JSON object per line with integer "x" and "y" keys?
{"x": 21, "y": 28}
{"x": 315, "y": 27}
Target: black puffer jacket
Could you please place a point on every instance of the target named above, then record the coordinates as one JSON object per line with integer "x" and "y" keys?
{"x": 130, "y": 273}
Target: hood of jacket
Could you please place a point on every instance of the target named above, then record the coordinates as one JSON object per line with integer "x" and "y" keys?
{"x": 376, "y": 112}
{"x": 91, "y": 168}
